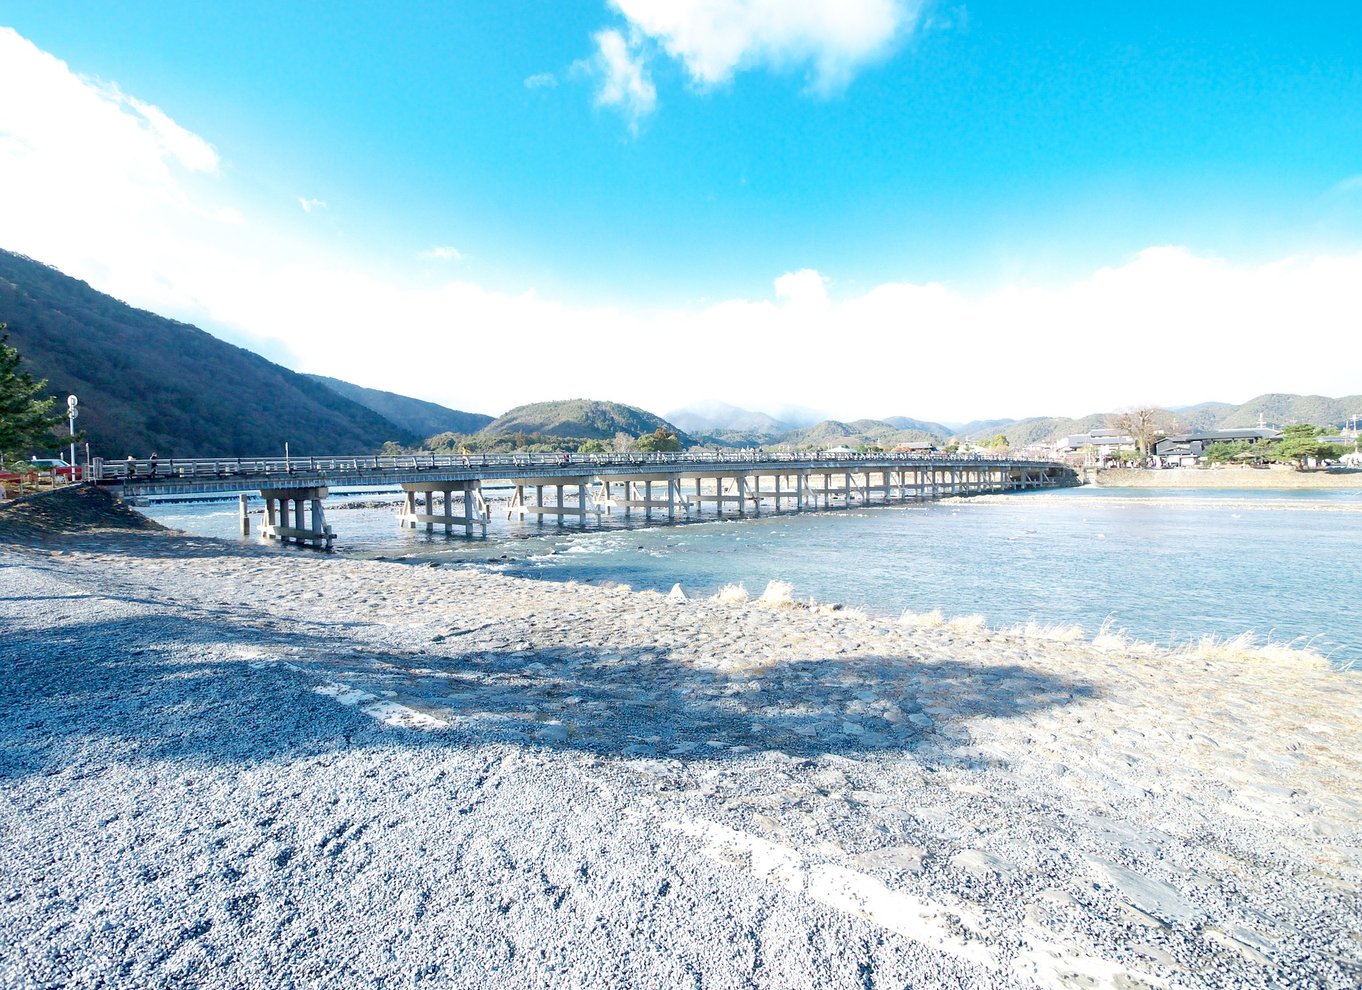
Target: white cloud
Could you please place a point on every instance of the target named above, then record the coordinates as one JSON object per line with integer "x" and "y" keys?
{"x": 88, "y": 185}
{"x": 1166, "y": 326}
{"x": 442, "y": 253}
{"x": 623, "y": 76}
{"x": 103, "y": 185}
{"x": 805, "y": 289}
{"x": 541, "y": 80}
{"x": 309, "y": 205}
{"x": 187, "y": 148}
{"x": 713, "y": 39}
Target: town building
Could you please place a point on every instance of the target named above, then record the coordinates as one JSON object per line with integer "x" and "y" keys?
{"x": 1181, "y": 445}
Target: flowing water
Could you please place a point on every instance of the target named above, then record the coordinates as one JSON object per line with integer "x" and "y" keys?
{"x": 1167, "y": 566}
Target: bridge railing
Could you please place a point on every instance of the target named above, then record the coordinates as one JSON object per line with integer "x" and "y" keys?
{"x": 188, "y": 468}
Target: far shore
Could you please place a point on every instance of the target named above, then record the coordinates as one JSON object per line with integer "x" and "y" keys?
{"x": 1227, "y": 477}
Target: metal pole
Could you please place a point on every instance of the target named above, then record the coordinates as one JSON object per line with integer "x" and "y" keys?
{"x": 71, "y": 413}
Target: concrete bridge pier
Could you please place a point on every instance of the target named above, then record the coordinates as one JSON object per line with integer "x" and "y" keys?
{"x": 286, "y": 517}
{"x": 475, "y": 511}
{"x": 519, "y": 507}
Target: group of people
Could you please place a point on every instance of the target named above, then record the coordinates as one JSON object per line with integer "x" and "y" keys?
{"x": 151, "y": 466}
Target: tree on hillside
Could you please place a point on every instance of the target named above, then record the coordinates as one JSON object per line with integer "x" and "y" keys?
{"x": 998, "y": 442}
{"x": 1301, "y": 442}
{"x": 592, "y": 447}
{"x": 443, "y": 443}
{"x": 1140, "y": 424}
{"x": 661, "y": 440}
{"x": 26, "y": 421}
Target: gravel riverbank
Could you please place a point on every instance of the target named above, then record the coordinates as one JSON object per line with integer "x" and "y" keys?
{"x": 226, "y": 766}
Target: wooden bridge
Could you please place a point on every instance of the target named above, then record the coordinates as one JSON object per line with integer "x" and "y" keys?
{"x": 580, "y": 486}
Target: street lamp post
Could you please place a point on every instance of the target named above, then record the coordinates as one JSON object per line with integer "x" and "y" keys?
{"x": 71, "y": 413}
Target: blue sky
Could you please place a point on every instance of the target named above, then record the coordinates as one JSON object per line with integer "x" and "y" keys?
{"x": 981, "y": 150}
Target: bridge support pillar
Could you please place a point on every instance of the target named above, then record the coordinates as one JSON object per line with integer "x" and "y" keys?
{"x": 475, "y": 511}
{"x": 586, "y": 504}
{"x": 280, "y": 503}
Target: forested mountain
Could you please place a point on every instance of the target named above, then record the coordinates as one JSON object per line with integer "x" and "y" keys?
{"x": 917, "y": 425}
{"x": 147, "y": 384}
{"x": 586, "y": 418}
{"x": 415, "y": 416}
{"x": 1278, "y": 410}
{"x": 833, "y": 433}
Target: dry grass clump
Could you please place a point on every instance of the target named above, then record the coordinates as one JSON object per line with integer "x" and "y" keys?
{"x": 1108, "y": 638}
{"x": 732, "y": 593}
{"x": 855, "y": 614}
{"x": 1057, "y": 633}
{"x": 966, "y": 625}
{"x": 778, "y": 594}
{"x": 1245, "y": 647}
{"x": 935, "y": 619}
{"x": 923, "y": 620}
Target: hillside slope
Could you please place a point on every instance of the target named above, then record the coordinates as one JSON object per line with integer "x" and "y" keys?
{"x": 147, "y": 383}
{"x": 580, "y": 418}
{"x": 416, "y": 416}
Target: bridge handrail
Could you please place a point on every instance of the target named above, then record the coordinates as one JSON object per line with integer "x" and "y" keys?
{"x": 142, "y": 469}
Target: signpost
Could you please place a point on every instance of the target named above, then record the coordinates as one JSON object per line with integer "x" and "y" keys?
{"x": 71, "y": 413}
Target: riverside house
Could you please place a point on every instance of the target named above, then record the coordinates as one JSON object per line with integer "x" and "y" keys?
{"x": 1183, "y": 445}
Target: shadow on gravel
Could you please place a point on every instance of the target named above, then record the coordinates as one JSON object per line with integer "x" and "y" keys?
{"x": 115, "y": 691}
{"x": 153, "y": 545}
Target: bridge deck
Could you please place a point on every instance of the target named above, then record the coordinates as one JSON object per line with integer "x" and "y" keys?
{"x": 221, "y": 475}
{"x": 294, "y": 489}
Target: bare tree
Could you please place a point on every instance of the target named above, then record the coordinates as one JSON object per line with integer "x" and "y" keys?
{"x": 1141, "y": 424}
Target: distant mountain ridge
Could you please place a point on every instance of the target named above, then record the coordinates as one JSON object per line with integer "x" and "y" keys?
{"x": 1277, "y": 409}
{"x": 416, "y": 416}
{"x": 586, "y": 418}
{"x": 868, "y": 432}
{"x": 725, "y": 425}
{"x": 917, "y": 425}
{"x": 713, "y": 417}
{"x": 147, "y": 383}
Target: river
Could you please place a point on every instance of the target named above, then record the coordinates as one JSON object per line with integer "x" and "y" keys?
{"x": 1165, "y": 566}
